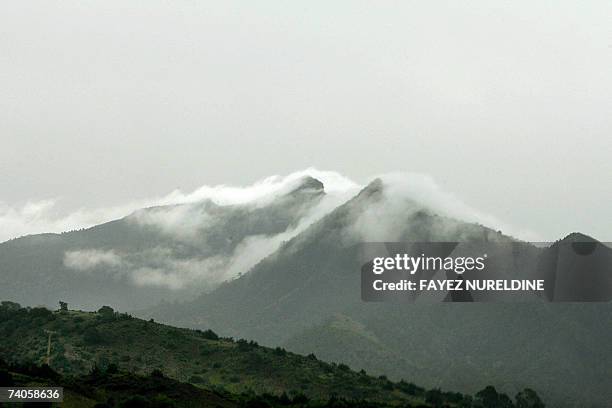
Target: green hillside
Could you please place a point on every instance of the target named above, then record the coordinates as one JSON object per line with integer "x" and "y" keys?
{"x": 86, "y": 344}
{"x": 113, "y": 388}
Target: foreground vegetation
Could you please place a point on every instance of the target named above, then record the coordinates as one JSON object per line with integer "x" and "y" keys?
{"x": 111, "y": 358}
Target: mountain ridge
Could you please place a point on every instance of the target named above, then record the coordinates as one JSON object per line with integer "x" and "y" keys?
{"x": 155, "y": 245}
{"x": 288, "y": 296}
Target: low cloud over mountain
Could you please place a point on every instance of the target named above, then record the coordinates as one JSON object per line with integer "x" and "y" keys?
{"x": 43, "y": 216}
{"x": 181, "y": 244}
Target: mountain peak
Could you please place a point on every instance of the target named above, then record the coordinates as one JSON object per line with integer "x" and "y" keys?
{"x": 307, "y": 184}
{"x": 578, "y": 237}
{"x": 374, "y": 189}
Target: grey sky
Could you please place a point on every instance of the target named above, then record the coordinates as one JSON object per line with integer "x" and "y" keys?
{"x": 506, "y": 104}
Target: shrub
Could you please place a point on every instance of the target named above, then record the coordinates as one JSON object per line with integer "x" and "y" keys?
{"x": 92, "y": 336}
{"x": 243, "y": 345}
{"x": 157, "y": 373}
{"x": 300, "y": 399}
{"x": 210, "y": 335}
{"x": 106, "y": 311}
{"x": 196, "y": 379}
{"x": 490, "y": 398}
{"x": 8, "y": 306}
{"x": 434, "y": 397}
{"x": 528, "y": 398}
{"x": 41, "y": 312}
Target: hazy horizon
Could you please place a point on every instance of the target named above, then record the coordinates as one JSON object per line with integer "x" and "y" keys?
{"x": 506, "y": 106}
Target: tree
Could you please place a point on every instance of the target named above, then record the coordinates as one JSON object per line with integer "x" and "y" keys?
{"x": 106, "y": 314}
{"x": 112, "y": 368}
{"x": 106, "y": 311}
{"x": 490, "y": 398}
{"x": 41, "y": 312}
{"x": 284, "y": 399}
{"x": 434, "y": 397}
{"x": 280, "y": 351}
{"x": 92, "y": 336}
{"x": 10, "y": 306}
{"x": 63, "y": 306}
{"x": 243, "y": 345}
{"x": 528, "y": 398}
{"x": 157, "y": 373}
{"x": 210, "y": 335}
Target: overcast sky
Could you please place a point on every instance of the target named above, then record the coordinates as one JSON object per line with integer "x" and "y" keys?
{"x": 508, "y": 105}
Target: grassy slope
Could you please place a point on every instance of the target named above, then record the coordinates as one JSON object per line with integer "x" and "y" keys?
{"x": 84, "y": 340}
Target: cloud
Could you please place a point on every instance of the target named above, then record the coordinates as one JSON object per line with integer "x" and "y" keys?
{"x": 176, "y": 274}
{"x": 406, "y": 193}
{"x": 253, "y": 249}
{"x": 265, "y": 189}
{"x": 151, "y": 267}
{"x": 163, "y": 267}
{"x": 85, "y": 260}
{"x": 183, "y": 222}
{"x": 43, "y": 216}
{"x": 191, "y": 220}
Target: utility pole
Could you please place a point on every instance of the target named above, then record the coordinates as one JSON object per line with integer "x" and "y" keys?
{"x": 49, "y": 332}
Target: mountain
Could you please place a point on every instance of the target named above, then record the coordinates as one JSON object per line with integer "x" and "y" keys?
{"x": 576, "y": 268}
{"x": 307, "y": 296}
{"x": 169, "y": 252}
{"x": 312, "y": 276}
{"x": 302, "y": 289}
{"x": 107, "y": 355}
